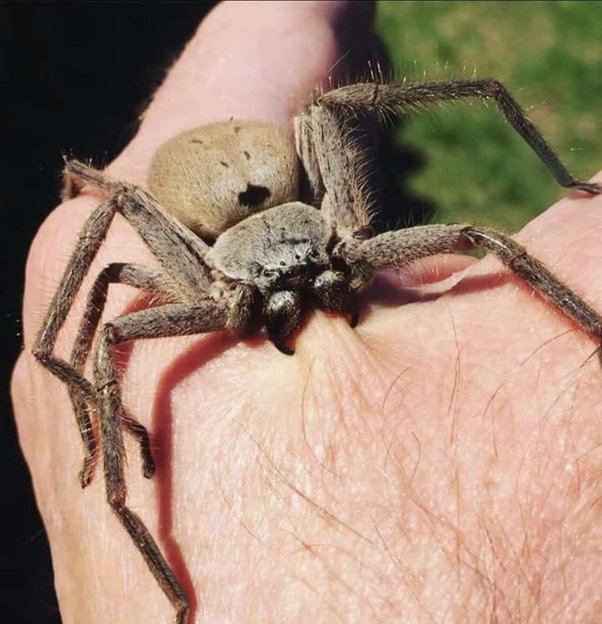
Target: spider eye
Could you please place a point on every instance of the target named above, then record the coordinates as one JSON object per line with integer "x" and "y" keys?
{"x": 267, "y": 272}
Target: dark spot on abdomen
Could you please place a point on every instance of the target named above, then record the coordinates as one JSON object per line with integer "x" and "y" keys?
{"x": 254, "y": 196}
{"x": 247, "y": 155}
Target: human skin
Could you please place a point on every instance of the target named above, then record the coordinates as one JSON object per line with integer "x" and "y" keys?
{"x": 438, "y": 463}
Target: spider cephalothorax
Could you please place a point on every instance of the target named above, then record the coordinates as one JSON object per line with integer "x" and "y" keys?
{"x": 284, "y": 258}
{"x": 238, "y": 250}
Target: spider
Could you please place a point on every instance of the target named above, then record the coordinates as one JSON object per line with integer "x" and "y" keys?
{"x": 250, "y": 233}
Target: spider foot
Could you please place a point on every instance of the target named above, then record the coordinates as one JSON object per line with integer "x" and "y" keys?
{"x": 141, "y": 434}
{"x": 589, "y": 187}
{"x": 148, "y": 466}
{"x": 354, "y": 318}
{"x": 284, "y": 348}
{"x": 86, "y": 474}
{"x": 76, "y": 175}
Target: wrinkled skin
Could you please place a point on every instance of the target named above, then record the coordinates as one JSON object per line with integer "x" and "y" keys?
{"x": 439, "y": 463}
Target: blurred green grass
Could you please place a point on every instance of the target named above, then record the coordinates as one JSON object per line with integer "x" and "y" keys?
{"x": 549, "y": 56}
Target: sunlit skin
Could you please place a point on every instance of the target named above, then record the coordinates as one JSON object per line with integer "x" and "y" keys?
{"x": 438, "y": 463}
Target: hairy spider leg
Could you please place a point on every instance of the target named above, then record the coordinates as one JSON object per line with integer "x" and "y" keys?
{"x": 330, "y": 154}
{"x": 181, "y": 255}
{"x": 398, "y": 248}
{"x": 160, "y": 322}
{"x": 385, "y": 99}
{"x": 144, "y": 278}
{"x": 177, "y": 249}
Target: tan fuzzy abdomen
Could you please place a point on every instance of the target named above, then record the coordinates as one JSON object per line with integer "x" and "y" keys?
{"x": 214, "y": 176}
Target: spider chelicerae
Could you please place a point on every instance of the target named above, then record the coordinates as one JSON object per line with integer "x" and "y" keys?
{"x": 251, "y": 231}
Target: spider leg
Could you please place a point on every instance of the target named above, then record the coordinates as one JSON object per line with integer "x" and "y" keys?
{"x": 89, "y": 241}
{"x": 335, "y": 168}
{"x": 163, "y": 321}
{"x": 149, "y": 280}
{"x": 538, "y": 276}
{"x": 353, "y": 100}
{"x": 333, "y": 159}
{"x": 177, "y": 249}
{"x": 398, "y": 248}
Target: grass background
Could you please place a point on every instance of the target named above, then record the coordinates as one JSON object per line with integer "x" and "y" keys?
{"x": 549, "y": 56}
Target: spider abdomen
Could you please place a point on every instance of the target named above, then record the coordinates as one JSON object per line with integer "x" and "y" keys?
{"x": 214, "y": 176}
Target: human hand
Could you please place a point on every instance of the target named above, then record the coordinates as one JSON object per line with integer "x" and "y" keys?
{"x": 437, "y": 462}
